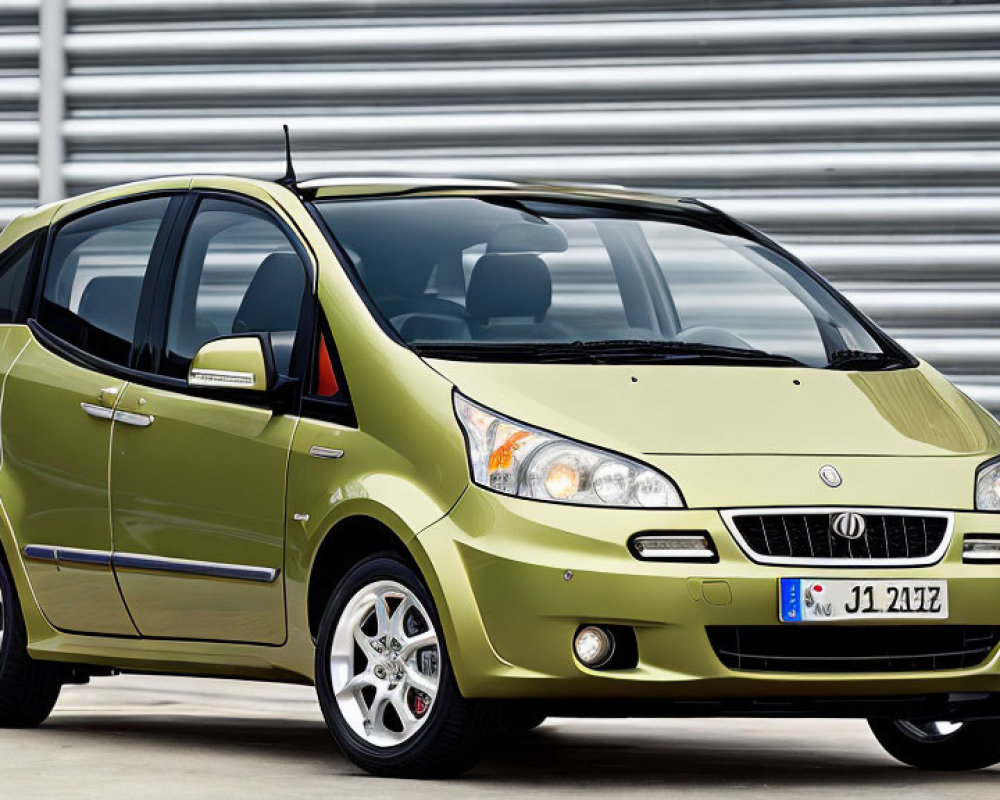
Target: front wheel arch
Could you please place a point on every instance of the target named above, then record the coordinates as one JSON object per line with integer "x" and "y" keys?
{"x": 346, "y": 544}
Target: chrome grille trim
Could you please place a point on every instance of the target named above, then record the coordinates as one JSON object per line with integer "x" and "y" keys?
{"x": 729, "y": 517}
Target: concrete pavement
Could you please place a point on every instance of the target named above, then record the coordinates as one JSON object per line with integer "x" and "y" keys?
{"x": 150, "y": 737}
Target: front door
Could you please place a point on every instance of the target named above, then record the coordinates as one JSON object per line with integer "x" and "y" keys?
{"x": 198, "y": 482}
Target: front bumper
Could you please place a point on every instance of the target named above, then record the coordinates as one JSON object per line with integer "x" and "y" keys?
{"x": 514, "y": 579}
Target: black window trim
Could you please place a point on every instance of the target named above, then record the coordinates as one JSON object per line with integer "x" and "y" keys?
{"x": 286, "y": 397}
{"x": 151, "y": 301}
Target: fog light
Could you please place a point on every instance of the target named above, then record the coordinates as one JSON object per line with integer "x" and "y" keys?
{"x": 981, "y": 548}
{"x": 593, "y": 646}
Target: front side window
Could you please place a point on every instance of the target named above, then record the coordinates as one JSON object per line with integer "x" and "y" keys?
{"x": 238, "y": 274}
{"x": 522, "y": 278}
{"x": 95, "y": 274}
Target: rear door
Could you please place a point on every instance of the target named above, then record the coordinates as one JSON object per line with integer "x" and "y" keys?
{"x": 198, "y": 476}
{"x": 58, "y": 403}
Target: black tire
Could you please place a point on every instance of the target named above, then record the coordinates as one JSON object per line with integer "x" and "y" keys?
{"x": 456, "y": 731}
{"x": 28, "y": 688}
{"x": 520, "y": 719}
{"x": 975, "y": 745}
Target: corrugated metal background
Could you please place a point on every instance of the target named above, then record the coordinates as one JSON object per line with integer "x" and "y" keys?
{"x": 864, "y": 135}
{"x": 18, "y": 107}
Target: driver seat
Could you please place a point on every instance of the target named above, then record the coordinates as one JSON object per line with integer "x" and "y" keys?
{"x": 509, "y": 297}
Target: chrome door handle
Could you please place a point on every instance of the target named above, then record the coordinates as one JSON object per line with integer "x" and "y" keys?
{"x": 325, "y": 452}
{"x": 125, "y": 417}
{"x": 94, "y": 410}
{"x": 130, "y": 418}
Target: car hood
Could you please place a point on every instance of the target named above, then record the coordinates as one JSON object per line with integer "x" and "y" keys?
{"x": 734, "y": 410}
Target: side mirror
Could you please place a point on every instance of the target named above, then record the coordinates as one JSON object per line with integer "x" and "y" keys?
{"x": 236, "y": 362}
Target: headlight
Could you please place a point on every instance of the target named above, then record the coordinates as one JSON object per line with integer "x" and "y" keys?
{"x": 518, "y": 460}
{"x": 988, "y": 486}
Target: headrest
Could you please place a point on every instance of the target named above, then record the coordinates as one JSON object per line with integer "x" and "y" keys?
{"x": 527, "y": 237}
{"x": 273, "y": 299}
{"x": 111, "y": 302}
{"x": 509, "y": 285}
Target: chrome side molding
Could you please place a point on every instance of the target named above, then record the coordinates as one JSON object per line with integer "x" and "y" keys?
{"x": 67, "y": 555}
{"x": 316, "y": 451}
{"x": 39, "y": 552}
{"x": 206, "y": 569}
{"x": 134, "y": 561}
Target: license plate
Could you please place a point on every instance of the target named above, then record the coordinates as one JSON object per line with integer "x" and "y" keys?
{"x": 825, "y": 600}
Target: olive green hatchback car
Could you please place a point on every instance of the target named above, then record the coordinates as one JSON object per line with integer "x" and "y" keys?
{"x": 468, "y": 454}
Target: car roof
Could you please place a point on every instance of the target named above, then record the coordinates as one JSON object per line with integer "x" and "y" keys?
{"x": 355, "y": 187}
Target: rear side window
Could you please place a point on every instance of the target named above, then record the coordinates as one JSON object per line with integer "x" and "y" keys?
{"x": 15, "y": 268}
{"x": 94, "y": 279}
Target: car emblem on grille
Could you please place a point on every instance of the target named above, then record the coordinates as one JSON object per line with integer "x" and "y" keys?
{"x": 829, "y": 475}
{"x": 848, "y": 525}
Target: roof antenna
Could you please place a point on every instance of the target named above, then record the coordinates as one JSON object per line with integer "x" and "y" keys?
{"x": 289, "y": 181}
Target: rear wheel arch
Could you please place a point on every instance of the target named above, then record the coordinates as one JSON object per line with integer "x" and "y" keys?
{"x": 10, "y": 559}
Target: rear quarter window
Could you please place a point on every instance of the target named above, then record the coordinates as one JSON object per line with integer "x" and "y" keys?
{"x": 16, "y": 268}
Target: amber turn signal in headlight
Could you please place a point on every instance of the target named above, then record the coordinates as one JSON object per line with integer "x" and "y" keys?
{"x": 516, "y": 459}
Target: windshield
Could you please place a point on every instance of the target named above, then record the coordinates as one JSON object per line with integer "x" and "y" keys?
{"x": 533, "y": 279}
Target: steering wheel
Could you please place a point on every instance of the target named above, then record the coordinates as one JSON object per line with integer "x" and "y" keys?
{"x": 427, "y": 325}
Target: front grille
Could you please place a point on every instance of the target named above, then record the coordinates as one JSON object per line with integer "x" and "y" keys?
{"x": 807, "y": 535}
{"x": 910, "y": 648}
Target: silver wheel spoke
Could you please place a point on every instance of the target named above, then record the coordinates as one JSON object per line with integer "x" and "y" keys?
{"x": 376, "y": 714}
{"x": 424, "y": 683}
{"x": 398, "y": 617}
{"x": 362, "y": 641}
{"x": 413, "y": 644}
{"x": 355, "y": 685}
{"x": 406, "y": 717}
{"x": 935, "y": 731}
{"x": 382, "y": 614}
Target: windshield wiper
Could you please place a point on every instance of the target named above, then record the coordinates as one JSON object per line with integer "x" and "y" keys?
{"x": 611, "y": 351}
{"x": 862, "y": 360}
{"x": 635, "y": 351}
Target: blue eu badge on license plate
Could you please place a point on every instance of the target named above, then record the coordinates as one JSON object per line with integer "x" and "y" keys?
{"x": 790, "y": 606}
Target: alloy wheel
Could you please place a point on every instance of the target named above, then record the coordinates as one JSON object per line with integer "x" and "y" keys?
{"x": 385, "y": 663}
